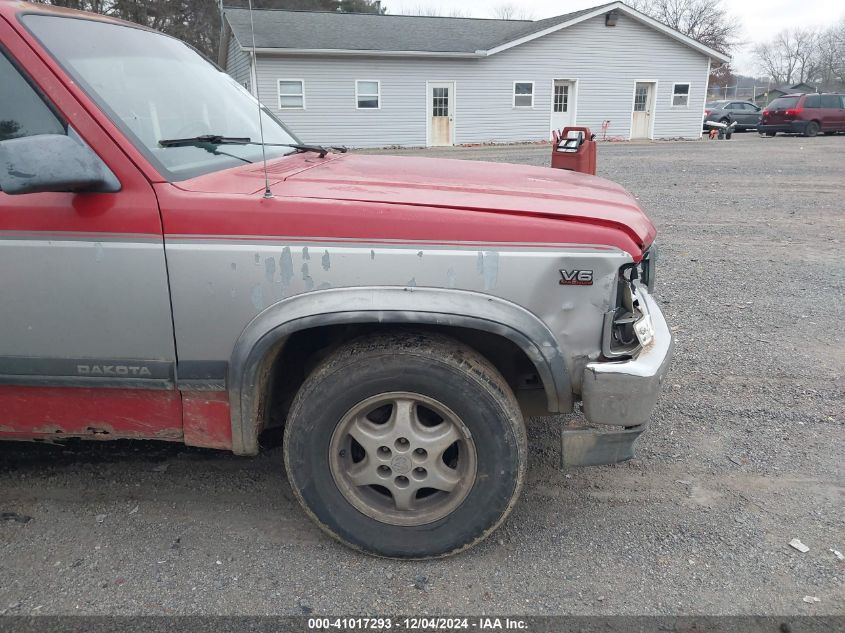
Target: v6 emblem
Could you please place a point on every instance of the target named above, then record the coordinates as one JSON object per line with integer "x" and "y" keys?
{"x": 576, "y": 277}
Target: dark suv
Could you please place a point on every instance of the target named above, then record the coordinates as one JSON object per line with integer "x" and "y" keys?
{"x": 806, "y": 114}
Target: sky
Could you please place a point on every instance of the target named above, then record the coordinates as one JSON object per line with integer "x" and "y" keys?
{"x": 761, "y": 20}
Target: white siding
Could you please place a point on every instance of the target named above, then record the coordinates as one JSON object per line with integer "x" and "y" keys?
{"x": 606, "y": 62}
{"x": 237, "y": 64}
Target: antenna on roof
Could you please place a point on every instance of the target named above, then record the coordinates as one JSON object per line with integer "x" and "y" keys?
{"x": 267, "y": 192}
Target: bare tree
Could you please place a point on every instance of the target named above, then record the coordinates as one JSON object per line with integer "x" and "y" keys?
{"x": 435, "y": 12}
{"x": 791, "y": 57}
{"x": 197, "y": 22}
{"x": 722, "y": 77}
{"x": 831, "y": 56}
{"x": 703, "y": 20}
{"x": 510, "y": 11}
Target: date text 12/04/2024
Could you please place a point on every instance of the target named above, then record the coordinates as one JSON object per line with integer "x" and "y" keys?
{"x": 417, "y": 624}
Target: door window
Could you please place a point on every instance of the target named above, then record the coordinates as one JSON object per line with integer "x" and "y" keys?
{"x": 812, "y": 101}
{"x": 640, "y": 98}
{"x": 440, "y": 102}
{"x": 561, "y": 103}
{"x": 22, "y": 111}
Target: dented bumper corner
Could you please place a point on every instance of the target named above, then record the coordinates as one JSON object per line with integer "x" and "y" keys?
{"x": 623, "y": 393}
{"x": 619, "y": 394}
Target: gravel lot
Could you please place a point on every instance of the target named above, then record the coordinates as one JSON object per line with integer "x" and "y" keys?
{"x": 744, "y": 454}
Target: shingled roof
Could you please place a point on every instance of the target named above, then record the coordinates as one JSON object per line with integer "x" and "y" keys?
{"x": 361, "y": 33}
{"x": 321, "y": 30}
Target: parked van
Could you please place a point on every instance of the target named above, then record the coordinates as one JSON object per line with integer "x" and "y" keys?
{"x": 806, "y": 114}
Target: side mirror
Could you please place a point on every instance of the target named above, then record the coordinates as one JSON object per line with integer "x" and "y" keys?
{"x": 52, "y": 162}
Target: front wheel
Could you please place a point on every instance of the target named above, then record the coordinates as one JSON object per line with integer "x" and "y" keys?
{"x": 406, "y": 445}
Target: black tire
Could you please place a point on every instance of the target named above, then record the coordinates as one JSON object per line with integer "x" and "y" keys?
{"x": 434, "y": 366}
{"x": 769, "y": 134}
{"x": 812, "y": 129}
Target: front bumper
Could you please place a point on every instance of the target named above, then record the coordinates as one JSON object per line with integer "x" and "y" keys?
{"x": 623, "y": 393}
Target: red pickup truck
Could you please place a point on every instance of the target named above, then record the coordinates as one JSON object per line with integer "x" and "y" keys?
{"x": 400, "y": 318}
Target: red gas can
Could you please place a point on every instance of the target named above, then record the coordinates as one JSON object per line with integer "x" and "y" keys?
{"x": 575, "y": 149}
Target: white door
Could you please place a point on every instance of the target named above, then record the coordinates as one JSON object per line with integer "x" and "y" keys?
{"x": 643, "y": 107}
{"x": 441, "y": 113}
{"x": 563, "y": 104}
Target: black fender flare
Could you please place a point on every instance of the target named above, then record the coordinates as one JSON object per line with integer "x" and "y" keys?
{"x": 379, "y": 304}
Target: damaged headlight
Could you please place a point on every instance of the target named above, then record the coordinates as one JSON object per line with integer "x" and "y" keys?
{"x": 627, "y": 328}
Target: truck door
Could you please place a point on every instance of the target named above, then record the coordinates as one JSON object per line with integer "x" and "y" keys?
{"x": 86, "y": 337}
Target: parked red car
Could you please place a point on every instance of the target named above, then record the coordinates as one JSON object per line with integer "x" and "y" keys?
{"x": 806, "y": 114}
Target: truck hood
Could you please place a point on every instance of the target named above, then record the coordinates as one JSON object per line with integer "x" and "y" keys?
{"x": 474, "y": 185}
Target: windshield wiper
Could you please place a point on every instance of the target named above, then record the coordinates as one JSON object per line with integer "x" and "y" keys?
{"x": 208, "y": 143}
{"x": 216, "y": 139}
{"x": 211, "y": 139}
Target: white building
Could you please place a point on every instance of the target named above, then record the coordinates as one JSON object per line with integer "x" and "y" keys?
{"x": 379, "y": 80}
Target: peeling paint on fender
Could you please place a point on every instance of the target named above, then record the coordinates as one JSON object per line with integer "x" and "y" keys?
{"x": 309, "y": 282}
{"x": 270, "y": 268}
{"x": 258, "y": 297}
{"x": 286, "y": 267}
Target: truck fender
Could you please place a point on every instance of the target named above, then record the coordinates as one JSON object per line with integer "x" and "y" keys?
{"x": 339, "y": 306}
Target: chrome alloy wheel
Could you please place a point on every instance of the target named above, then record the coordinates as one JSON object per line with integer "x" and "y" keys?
{"x": 403, "y": 458}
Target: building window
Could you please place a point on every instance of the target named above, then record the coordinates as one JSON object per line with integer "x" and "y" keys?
{"x": 523, "y": 94}
{"x": 368, "y": 94}
{"x": 291, "y": 94}
{"x": 680, "y": 95}
{"x": 561, "y": 102}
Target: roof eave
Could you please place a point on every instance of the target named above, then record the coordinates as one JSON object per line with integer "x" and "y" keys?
{"x": 363, "y": 53}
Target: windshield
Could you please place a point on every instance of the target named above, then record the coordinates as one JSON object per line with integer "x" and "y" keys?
{"x": 783, "y": 103}
{"x": 155, "y": 87}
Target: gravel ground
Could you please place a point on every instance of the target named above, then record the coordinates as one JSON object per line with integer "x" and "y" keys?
{"x": 744, "y": 454}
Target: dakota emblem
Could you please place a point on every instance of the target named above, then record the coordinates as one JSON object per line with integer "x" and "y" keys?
{"x": 112, "y": 370}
